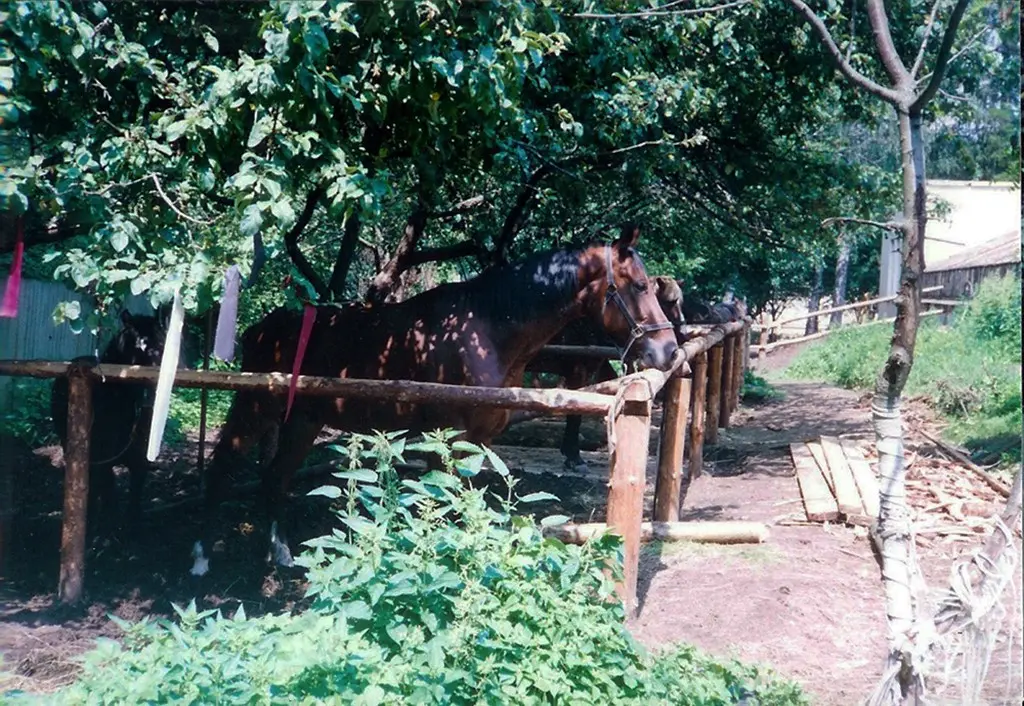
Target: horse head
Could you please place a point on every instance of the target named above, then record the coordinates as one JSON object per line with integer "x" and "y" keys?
{"x": 139, "y": 342}
{"x": 670, "y": 298}
{"x": 626, "y": 305}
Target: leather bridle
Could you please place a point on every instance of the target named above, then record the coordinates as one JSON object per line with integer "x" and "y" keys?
{"x": 636, "y": 330}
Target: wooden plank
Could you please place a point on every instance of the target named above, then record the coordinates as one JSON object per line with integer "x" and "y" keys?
{"x": 819, "y": 457}
{"x": 845, "y": 487}
{"x": 867, "y": 482}
{"x": 818, "y": 501}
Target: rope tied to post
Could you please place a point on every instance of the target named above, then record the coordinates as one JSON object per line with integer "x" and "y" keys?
{"x": 618, "y": 403}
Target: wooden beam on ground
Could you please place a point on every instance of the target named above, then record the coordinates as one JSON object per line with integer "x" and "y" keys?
{"x": 627, "y": 480}
{"x": 956, "y": 455}
{"x": 554, "y": 401}
{"x": 76, "y": 485}
{"x": 725, "y": 403}
{"x": 670, "y": 455}
{"x": 847, "y": 495}
{"x": 819, "y": 458}
{"x": 867, "y": 482}
{"x": 697, "y": 416}
{"x": 819, "y": 504}
{"x": 714, "y": 394}
{"x": 726, "y": 532}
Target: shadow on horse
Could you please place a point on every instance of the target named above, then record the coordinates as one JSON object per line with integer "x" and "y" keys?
{"x": 481, "y": 332}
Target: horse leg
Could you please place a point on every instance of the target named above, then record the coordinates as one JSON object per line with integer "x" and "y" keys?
{"x": 570, "y": 448}
{"x": 102, "y": 505}
{"x": 295, "y": 439}
{"x": 251, "y": 417}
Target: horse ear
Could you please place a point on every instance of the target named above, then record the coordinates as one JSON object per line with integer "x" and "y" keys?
{"x": 629, "y": 237}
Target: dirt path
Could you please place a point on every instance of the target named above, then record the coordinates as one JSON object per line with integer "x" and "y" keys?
{"x": 808, "y": 602}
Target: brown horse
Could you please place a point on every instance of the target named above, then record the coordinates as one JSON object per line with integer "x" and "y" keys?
{"x": 481, "y": 332}
{"x": 577, "y": 371}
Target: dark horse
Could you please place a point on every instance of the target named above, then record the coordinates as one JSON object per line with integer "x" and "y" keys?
{"x": 582, "y": 370}
{"x": 122, "y": 414}
{"x": 481, "y": 332}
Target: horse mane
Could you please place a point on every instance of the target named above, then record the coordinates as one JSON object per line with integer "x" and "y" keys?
{"x": 533, "y": 287}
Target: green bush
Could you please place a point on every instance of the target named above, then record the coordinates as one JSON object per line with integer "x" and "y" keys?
{"x": 429, "y": 591}
{"x": 757, "y": 389}
{"x": 28, "y": 416}
{"x": 970, "y": 372}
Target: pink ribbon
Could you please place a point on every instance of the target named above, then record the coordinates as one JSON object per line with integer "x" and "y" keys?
{"x": 12, "y": 292}
{"x": 227, "y": 320}
{"x": 308, "y": 317}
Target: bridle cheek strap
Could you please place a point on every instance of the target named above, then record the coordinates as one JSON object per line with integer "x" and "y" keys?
{"x": 636, "y": 330}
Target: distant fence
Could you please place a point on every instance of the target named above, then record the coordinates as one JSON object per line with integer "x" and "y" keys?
{"x": 33, "y": 334}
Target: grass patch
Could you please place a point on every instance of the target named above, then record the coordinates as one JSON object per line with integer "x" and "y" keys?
{"x": 753, "y": 554}
{"x": 969, "y": 372}
{"x": 757, "y": 390}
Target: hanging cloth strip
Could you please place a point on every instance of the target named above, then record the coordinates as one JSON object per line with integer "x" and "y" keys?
{"x": 227, "y": 319}
{"x": 168, "y": 367}
{"x": 12, "y": 292}
{"x": 308, "y": 317}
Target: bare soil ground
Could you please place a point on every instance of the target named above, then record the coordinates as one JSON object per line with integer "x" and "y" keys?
{"x": 808, "y": 603}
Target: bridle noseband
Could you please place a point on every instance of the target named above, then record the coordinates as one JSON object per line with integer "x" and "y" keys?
{"x": 636, "y": 331}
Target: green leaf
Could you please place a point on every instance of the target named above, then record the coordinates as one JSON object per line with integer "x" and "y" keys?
{"x": 175, "y": 130}
{"x": 252, "y": 219}
{"x": 315, "y": 40}
{"x": 553, "y": 520}
{"x": 328, "y": 491}
{"x": 211, "y": 41}
{"x": 537, "y": 497}
{"x": 362, "y": 475}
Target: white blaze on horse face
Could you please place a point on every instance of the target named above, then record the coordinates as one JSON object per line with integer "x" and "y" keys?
{"x": 201, "y": 565}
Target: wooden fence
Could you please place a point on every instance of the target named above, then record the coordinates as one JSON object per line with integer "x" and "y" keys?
{"x": 718, "y": 358}
{"x": 765, "y": 329}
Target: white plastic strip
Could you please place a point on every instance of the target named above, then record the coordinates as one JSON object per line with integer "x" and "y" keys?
{"x": 168, "y": 366}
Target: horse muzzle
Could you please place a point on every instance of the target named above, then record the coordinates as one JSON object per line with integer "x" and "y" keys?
{"x": 658, "y": 352}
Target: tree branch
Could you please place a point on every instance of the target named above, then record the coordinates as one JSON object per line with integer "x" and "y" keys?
{"x": 385, "y": 281}
{"x": 924, "y": 40}
{"x": 855, "y": 77}
{"x": 933, "y": 84}
{"x": 167, "y": 200}
{"x": 894, "y": 226}
{"x": 461, "y": 207}
{"x": 883, "y": 42}
{"x": 291, "y": 242}
{"x": 346, "y": 251}
{"x": 466, "y": 248}
{"x": 517, "y": 214}
{"x": 662, "y": 11}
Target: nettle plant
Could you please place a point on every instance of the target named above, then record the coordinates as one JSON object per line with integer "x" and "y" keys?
{"x": 429, "y": 591}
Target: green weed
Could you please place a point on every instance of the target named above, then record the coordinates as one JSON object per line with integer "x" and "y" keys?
{"x": 429, "y": 591}
{"x": 970, "y": 372}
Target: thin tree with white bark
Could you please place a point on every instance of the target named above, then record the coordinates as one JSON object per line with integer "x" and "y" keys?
{"x": 909, "y": 91}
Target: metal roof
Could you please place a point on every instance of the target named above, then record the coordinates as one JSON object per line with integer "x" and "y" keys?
{"x": 1003, "y": 250}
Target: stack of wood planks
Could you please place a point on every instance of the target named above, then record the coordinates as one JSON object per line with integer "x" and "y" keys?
{"x": 836, "y": 481}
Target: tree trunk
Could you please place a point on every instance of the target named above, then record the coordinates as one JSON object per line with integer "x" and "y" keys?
{"x": 343, "y": 262}
{"x": 842, "y": 274}
{"x": 814, "y": 301}
{"x": 892, "y": 533}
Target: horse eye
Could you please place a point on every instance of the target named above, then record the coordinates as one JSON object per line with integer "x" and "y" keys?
{"x": 640, "y": 286}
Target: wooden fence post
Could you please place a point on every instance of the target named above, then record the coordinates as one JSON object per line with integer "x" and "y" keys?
{"x": 762, "y": 341}
{"x": 627, "y": 481}
{"x": 714, "y": 394}
{"x": 700, "y": 392}
{"x": 76, "y": 483}
{"x": 670, "y": 456}
{"x": 737, "y": 371}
